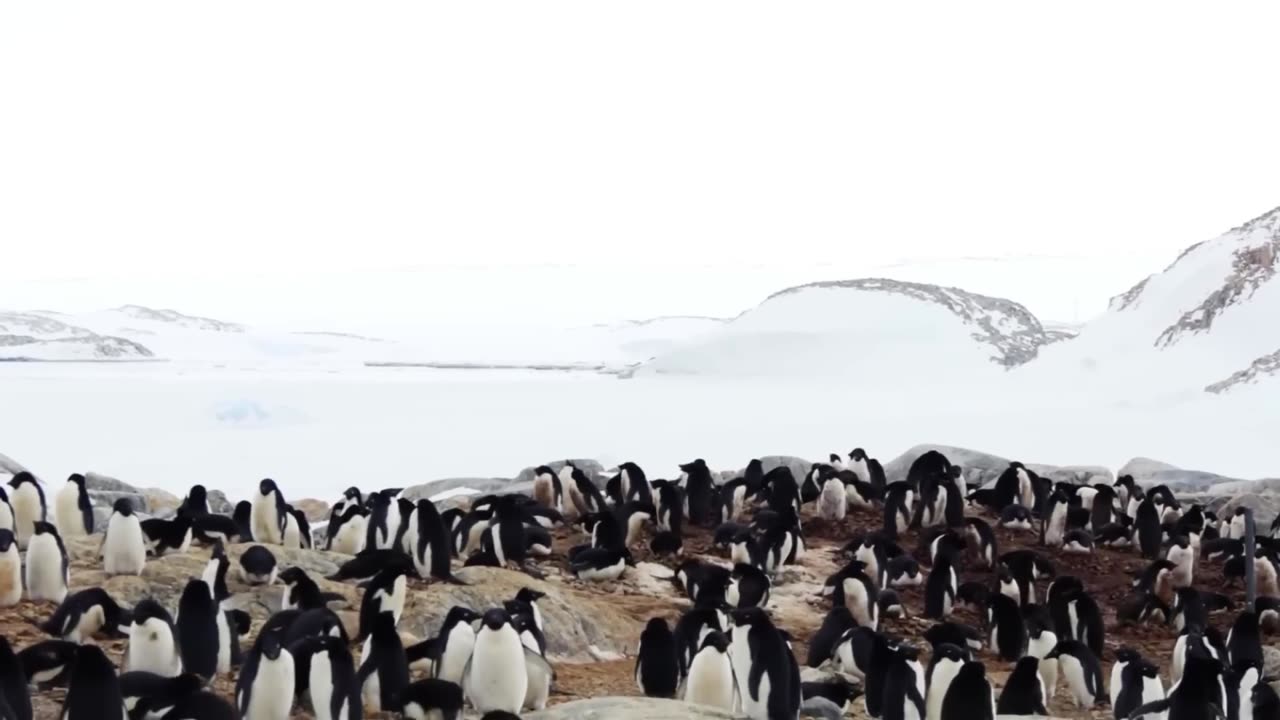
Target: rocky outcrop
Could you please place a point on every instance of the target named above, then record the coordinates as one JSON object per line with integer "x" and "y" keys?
{"x": 96, "y": 347}
{"x": 1013, "y": 333}
{"x": 1265, "y": 366}
{"x": 1147, "y": 472}
{"x": 980, "y": 468}
{"x": 173, "y": 317}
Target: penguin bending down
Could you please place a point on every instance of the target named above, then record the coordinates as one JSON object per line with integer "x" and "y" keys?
{"x": 759, "y": 655}
{"x": 10, "y": 570}
{"x": 85, "y": 613}
{"x": 385, "y": 593}
{"x": 1024, "y": 691}
{"x": 657, "y": 669}
{"x": 431, "y": 699}
{"x": 145, "y": 693}
{"x": 72, "y": 508}
{"x": 264, "y": 689}
{"x": 165, "y": 536}
{"x": 94, "y": 691}
{"x": 27, "y": 500}
{"x": 1082, "y": 671}
{"x": 970, "y": 696}
{"x": 495, "y": 678}
{"x": 710, "y": 681}
{"x": 124, "y": 550}
{"x": 258, "y": 566}
{"x": 153, "y": 645}
{"x": 269, "y": 514}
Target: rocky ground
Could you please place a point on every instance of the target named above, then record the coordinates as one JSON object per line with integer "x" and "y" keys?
{"x": 592, "y": 629}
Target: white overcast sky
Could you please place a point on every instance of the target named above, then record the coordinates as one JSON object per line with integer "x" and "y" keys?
{"x": 316, "y": 162}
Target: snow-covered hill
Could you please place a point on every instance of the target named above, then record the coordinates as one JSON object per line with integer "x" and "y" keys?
{"x": 1211, "y": 318}
{"x": 44, "y": 336}
{"x": 877, "y": 328}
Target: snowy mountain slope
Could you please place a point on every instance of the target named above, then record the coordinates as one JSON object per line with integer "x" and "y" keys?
{"x": 43, "y": 336}
{"x": 877, "y": 327}
{"x": 1209, "y": 315}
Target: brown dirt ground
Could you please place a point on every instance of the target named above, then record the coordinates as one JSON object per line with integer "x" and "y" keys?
{"x": 1106, "y": 573}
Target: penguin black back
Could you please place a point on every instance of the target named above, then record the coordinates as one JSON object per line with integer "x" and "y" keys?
{"x": 94, "y": 690}
{"x": 13, "y": 683}
{"x": 197, "y": 629}
{"x": 657, "y": 669}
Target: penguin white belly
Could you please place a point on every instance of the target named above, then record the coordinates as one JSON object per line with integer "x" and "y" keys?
{"x": 272, "y": 694}
{"x": 371, "y": 692}
{"x": 609, "y": 572}
{"x": 1076, "y": 682}
{"x": 224, "y": 642}
{"x": 394, "y": 600}
{"x": 409, "y": 543}
{"x": 46, "y": 579}
{"x": 833, "y": 503}
{"x": 457, "y": 652}
{"x": 89, "y": 623}
{"x": 124, "y": 552}
{"x": 539, "y": 675}
{"x": 66, "y": 511}
{"x": 265, "y": 521}
{"x": 710, "y": 680}
{"x": 422, "y": 563}
{"x": 1153, "y": 690}
{"x": 741, "y": 658}
{"x": 859, "y": 603}
{"x": 320, "y": 684}
{"x": 27, "y": 509}
{"x": 292, "y": 533}
{"x": 1038, "y": 647}
{"x": 6, "y": 517}
{"x": 497, "y": 679}
{"x": 10, "y": 577}
{"x": 152, "y": 649}
{"x": 349, "y": 540}
{"x": 943, "y": 673}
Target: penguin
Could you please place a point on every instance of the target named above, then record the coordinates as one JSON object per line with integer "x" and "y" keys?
{"x": 195, "y": 504}
{"x": 698, "y": 488}
{"x": 1198, "y": 696}
{"x": 1244, "y": 641}
{"x": 86, "y": 613}
{"x": 27, "y": 500}
{"x": 454, "y": 643}
{"x": 898, "y": 504}
{"x": 202, "y": 631}
{"x": 1016, "y": 517}
{"x": 297, "y": 530}
{"x": 940, "y": 590}
{"x": 528, "y": 597}
{"x": 495, "y": 678}
{"x": 1188, "y": 609}
{"x": 10, "y": 570}
{"x": 970, "y": 696}
{"x": 72, "y": 508}
{"x": 47, "y": 663}
{"x": 165, "y": 536}
{"x": 758, "y": 654}
{"x": 215, "y": 573}
{"x": 1024, "y": 691}
{"x": 859, "y": 593}
{"x": 258, "y": 566}
{"x": 370, "y": 562}
{"x": 710, "y": 681}
{"x": 1139, "y": 684}
{"x": 153, "y": 643}
{"x": 964, "y": 637}
{"x": 331, "y": 679}
{"x": 600, "y": 565}
{"x": 692, "y": 628}
{"x": 242, "y": 516}
{"x": 269, "y": 515}
{"x": 904, "y": 571}
{"x": 852, "y": 654}
{"x": 7, "y": 521}
{"x": 547, "y": 489}
{"x": 833, "y": 502}
{"x": 505, "y": 536}
{"x": 881, "y": 655}
{"x": 1124, "y": 656}
{"x": 431, "y": 699}
{"x": 749, "y": 587}
{"x": 1041, "y": 640}
{"x": 146, "y": 693}
{"x": 15, "y": 695}
{"x": 48, "y": 567}
{"x": 1078, "y": 541}
{"x": 538, "y": 671}
{"x": 211, "y": 529}
{"x": 584, "y": 496}
{"x": 984, "y": 540}
{"x": 1008, "y": 633}
{"x": 347, "y": 532}
{"x": 385, "y": 593}
{"x": 1266, "y": 704}
{"x": 94, "y": 690}
{"x": 1148, "y": 526}
{"x": 657, "y": 670}
{"x": 432, "y": 554}
{"x": 1082, "y": 671}
{"x": 301, "y": 592}
{"x": 124, "y": 552}
{"x": 384, "y": 666}
{"x": 1183, "y": 558}
{"x": 264, "y": 688}
{"x": 946, "y": 661}
{"x": 822, "y": 645}
{"x": 407, "y": 532}
{"x": 903, "y": 687}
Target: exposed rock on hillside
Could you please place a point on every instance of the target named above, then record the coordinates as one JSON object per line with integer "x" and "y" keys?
{"x": 1265, "y": 366}
{"x": 174, "y": 317}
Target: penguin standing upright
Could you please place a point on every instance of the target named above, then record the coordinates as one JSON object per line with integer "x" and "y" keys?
{"x": 124, "y": 550}
{"x": 940, "y": 590}
{"x": 506, "y": 534}
{"x": 456, "y": 641}
{"x": 1041, "y": 640}
{"x": 970, "y": 696}
{"x": 153, "y": 645}
{"x": 1149, "y": 530}
{"x": 710, "y": 680}
{"x": 945, "y": 663}
{"x": 547, "y": 489}
{"x": 72, "y": 508}
{"x": 699, "y": 487}
{"x": 10, "y": 570}
{"x": 1024, "y": 691}
{"x": 331, "y": 680}
{"x": 1140, "y": 685}
{"x": 264, "y": 688}
{"x": 27, "y": 499}
{"x": 15, "y": 695}
{"x": 7, "y": 521}
{"x": 496, "y": 678}
{"x": 348, "y": 531}
{"x": 94, "y": 691}
{"x": 198, "y": 632}
{"x": 1082, "y": 671}
{"x": 759, "y": 653}
{"x": 833, "y": 502}
{"x": 195, "y": 504}
{"x": 657, "y": 670}
{"x": 903, "y": 687}
{"x": 433, "y": 552}
{"x": 269, "y": 514}
{"x": 48, "y": 568}
{"x": 1008, "y": 632}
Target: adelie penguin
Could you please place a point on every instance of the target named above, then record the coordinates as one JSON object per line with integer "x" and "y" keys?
{"x": 301, "y": 592}
{"x": 1138, "y": 683}
{"x": 7, "y": 521}
{"x": 15, "y": 695}
{"x": 432, "y": 554}
{"x": 760, "y": 655}
{"x": 94, "y": 691}
{"x": 331, "y": 679}
{"x": 904, "y": 689}
{"x": 195, "y": 504}
{"x": 48, "y": 568}
{"x": 1008, "y": 632}
{"x": 1082, "y": 670}
{"x": 269, "y": 514}
{"x": 454, "y": 644}
{"x": 385, "y": 594}
{"x": 49, "y": 663}
{"x": 258, "y": 566}
{"x": 346, "y": 532}
{"x": 1024, "y": 693}
{"x": 166, "y": 536}
{"x": 203, "y": 633}
{"x": 940, "y": 590}
{"x": 84, "y": 614}
{"x": 27, "y": 499}
{"x": 547, "y": 489}
{"x": 898, "y": 504}
{"x": 124, "y": 550}
{"x": 72, "y": 508}
{"x": 495, "y": 678}
{"x": 970, "y": 696}
{"x": 153, "y": 644}
{"x": 599, "y": 564}
{"x": 264, "y": 688}
{"x": 710, "y": 680}
{"x": 215, "y": 573}
{"x": 946, "y": 661}
{"x": 699, "y": 488}
{"x": 657, "y": 670}
{"x": 431, "y": 699}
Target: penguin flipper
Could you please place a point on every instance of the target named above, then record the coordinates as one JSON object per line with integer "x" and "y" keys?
{"x": 1153, "y": 709}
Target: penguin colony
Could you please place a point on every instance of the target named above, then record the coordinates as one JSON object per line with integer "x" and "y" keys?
{"x": 724, "y": 651}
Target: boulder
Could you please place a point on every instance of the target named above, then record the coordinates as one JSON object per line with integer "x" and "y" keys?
{"x": 592, "y": 468}
{"x": 452, "y": 486}
{"x": 979, "y": 468}
{"x": 161, "y": 503}
{"x": 1075, "y": 474}
{"x": 1147, "y": 473}
{"x": 104, "y": 490}
{"x": 219, "y": 503}
{"x": 315, "y": 510}
{"x": 1265, "y": 506}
